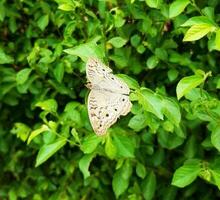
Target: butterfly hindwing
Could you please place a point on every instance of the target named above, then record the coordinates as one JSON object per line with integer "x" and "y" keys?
{"x": 105, "y": 108}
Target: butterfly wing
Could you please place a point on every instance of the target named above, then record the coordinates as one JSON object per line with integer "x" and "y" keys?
{"x": 101, "y": 78}
{"x": 105, "y": 108}
{"x": 96, "y": 70}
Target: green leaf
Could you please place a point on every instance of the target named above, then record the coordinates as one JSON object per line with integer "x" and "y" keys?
{"x": 4, "y": 58}
{"x": 135, "y": 40}
{"x": 59, "y": 72}
{"x": 23, "y": 75}
{"x": 177, "y": 7}
{"x": 152, "y": 62}
{"x": 169, "y": 140}
{"x": 84, "y": 163}
{"x": 120, "y": 180}
{"x": 66, "y": 7}
{"x": 49, "y": 105}
{"x": 153, "y": 3}
{"x": 198, "y": 20}
{"x": 87, "y": 50}
{"x": 186, "y": 174}
{"x": 21, "y": 130}
{"x": 118, "y": 42}
{"x": 43, "y": 22}
{"x": 125, "y": 145}
{"x": 161, "y": 54}
{"x": 172, "y": 74}
{"x": 149, "y": 186}
{"x": 140, "y": 170}
{"x": 36, "y": 132}
{"x": 151, "y": 102}
{"x": 186, "y": 84}
{"x": 216, "y": 177}
{"x": 2, "y": 11}
{"x": 198, "y": 31}
{"x": 110, "y": 149}
{"x": 46, "y": 151}
{"x": 90, "y": 143}
{"x": 132, "y": 83}
{"x": 138, "y": 122}
{"x": 215, "y": 137}
{"x": 217, "y": 39}
{"x": 171, "y": 110}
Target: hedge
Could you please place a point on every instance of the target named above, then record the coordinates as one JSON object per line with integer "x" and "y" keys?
{"x": 166, "y": 148}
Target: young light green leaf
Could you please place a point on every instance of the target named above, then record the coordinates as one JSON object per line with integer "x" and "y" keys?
{"x": 188, "y": 83}
{"x": 149, "y": 186}
{"x": 215, "y": 137}
{"x": 46, "y": 151}
{"x": 84, "y": 163}
{"x": 49, "y": 105}
{"x": 187, "y": 173}
{"x": 177, "y": 7}
{"x": 198, "y": 31}
{"x": 23, "y": 75}
{"x": 90, "y": 143}
{"x": 217, "y": 39}
{"x": 21, "y": 130}
{"x": 66, "y": 7}
{"x": 43, "y": 22}
{"x": 117, "y": 42}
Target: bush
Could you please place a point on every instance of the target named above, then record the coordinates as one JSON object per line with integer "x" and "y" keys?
{"x": 166, "y": 51}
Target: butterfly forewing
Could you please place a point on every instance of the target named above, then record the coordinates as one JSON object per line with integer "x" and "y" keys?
{"x": 96, "y": 70}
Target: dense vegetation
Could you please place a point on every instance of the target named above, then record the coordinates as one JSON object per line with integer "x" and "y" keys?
{"x": 166, "y": 148}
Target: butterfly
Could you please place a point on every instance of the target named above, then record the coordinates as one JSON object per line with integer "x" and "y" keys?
{"x": 108, "y": 98}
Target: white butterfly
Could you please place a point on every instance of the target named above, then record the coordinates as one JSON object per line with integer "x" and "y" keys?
{"x": 108, "y": 98}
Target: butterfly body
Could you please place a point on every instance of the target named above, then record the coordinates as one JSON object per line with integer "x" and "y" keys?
{"x": 108, "y": 98}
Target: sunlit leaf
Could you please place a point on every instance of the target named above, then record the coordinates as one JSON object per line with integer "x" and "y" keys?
{"x": 46, "y": 151}
{"x": 187, "y": 173}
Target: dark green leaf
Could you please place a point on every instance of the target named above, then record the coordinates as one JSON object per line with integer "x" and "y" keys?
{"x": 149, "y": 186}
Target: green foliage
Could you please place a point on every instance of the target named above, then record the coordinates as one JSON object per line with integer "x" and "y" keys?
{"x": 166, "y": 51}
